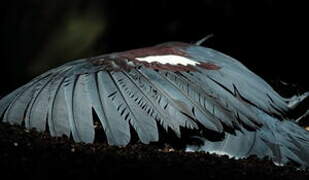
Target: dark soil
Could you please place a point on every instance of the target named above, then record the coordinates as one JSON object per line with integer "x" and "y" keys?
{"x": 29, "y": 154}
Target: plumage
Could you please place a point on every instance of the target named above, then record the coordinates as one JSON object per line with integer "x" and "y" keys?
{"x": 38, "y": 112}
{"x": 174, "y": 85}
{"x": 143, "y": 124}
{"x": 114, "y": 119}
{"x": 82, "y": 110}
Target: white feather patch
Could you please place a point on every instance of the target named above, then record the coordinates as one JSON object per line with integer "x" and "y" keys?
{"x": 168, "y": 59}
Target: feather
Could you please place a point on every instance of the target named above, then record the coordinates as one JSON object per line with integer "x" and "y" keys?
{"x": 181, "y": 101}
{"x": 59, "y": 115}
{"x": 165, "y": 101}
{"x": 7, "y": 100}
{"x": 109, "y": 109}
{"x": 154, "y": 103}
{"x": 185, "y": 103}
{"x": 82, "y": 110}
{"x": 69, "y": 86}
{"x": 39, "y": 110}
{"x": 145, "y": 127}
{"x": 39, "y": 86}
{"x": 234, "y": 72}
{"x": 223, "y": 96}
{"x": 201, "y": 98}
{"x": 202, "y": 115}
{"x": 53, "y": 91}
{"x": 15, "y": 112}
{"x": 146, "y": 102}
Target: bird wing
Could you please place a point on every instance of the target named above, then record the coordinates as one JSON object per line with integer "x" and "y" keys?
{"x": 235, "y": 78}
{"x": 125, "y": 95}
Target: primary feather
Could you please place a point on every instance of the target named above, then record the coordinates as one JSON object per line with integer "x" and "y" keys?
{"x": 197, "y": 88}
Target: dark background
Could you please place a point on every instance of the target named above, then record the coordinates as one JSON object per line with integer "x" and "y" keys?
{"x": 270, "y": 37}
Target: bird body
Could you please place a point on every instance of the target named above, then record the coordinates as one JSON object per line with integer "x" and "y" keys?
{"x": 173, "y": 85}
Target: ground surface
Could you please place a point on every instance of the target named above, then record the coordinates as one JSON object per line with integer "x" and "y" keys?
{"x": 38, "y": 156}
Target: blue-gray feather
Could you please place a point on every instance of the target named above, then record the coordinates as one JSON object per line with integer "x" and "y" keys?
{"x": 129, "y": 97}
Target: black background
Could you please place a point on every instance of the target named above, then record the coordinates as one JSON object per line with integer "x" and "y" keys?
{"x": 270, "y": 37}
